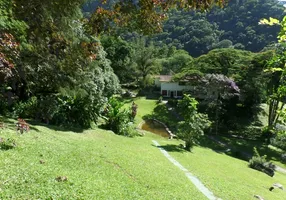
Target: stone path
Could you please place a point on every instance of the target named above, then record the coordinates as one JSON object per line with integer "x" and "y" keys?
{"x": 200, "y": 186}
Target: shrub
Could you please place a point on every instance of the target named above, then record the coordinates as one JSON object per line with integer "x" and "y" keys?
{"x": 22, "y": 126}
{"x": 259, "y": 163}
{"x": 279, "y": 140}
{"x": 119, "y": 120}
{"x": 267, "y": 133}
{"x": 26, "y": 109}
{"x": 3, "y": 106}
{"x": 129, "y": 131}
{"x": 283, "y": 157}
{"x": 173, "y": 102}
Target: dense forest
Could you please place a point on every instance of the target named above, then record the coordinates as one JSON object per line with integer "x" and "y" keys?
{"x": 197, "y": 32}
{"x": 234, "y": 26}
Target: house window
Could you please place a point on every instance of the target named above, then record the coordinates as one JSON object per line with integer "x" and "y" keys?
{"x": 179, "y": 93}
{"x": 164, "y": 92}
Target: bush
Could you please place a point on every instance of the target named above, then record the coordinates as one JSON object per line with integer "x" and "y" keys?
{"x": 251, "y": 132}
{"x": 259, "y": 163}
{"x": 283, "y": 157}
{"x": 267, "y": 133}
{"x": 280, "y": 140}
{"x": 26, "y": 109}
{"x": 3, "y": 106}
{"x": 60, "y": 109}
{"x": 119, "y": 120}
{"x": 130, "y": 131}
{"x": 173, "y": 102}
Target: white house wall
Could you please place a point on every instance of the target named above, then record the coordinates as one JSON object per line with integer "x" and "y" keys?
{"x": 174, "y": 86}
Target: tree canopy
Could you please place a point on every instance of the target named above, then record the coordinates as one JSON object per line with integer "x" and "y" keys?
{"x": 233, "y": 26}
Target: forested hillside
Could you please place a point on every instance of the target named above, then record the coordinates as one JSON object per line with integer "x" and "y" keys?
{"x": 236, "y": 25}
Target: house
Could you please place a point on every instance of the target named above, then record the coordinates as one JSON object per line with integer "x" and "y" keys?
{"x": 170, "y": 88}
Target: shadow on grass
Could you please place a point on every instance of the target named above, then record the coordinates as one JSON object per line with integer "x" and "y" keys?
{"x": 54, "y": 127}
{"x": 9, "y": 123}
{"x": 171, "y": 148}
{"x": 247, "y": 146}
{"x": 240, "y": 148}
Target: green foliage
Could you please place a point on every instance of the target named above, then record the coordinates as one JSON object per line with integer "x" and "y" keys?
{"x": 173, "y": 102}
{"x": 120, "y": 53}
{"x": 56, "y": 54}
{"x": 118, "y": 119}
{"x": 190, "y": 31}
{"x": 176, "y": 62}
{"x": 246, "y": 69}
{"x": 144, "y": 58}
{"x": 234, "y": 26}
{"x": 160, "y": 100}
{"x": 279, "y": 140}
{"x": 26, "y": 109}
{"x": 259, "y": 163}
{"x": 194, "y": 124}
{"x": 144, "y": 16}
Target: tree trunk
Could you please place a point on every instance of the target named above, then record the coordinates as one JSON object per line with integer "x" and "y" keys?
{"x": 278, "y": 115}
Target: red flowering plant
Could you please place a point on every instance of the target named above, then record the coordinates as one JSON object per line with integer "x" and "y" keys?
{"x": 22, "y": 126}
{"x": 8, "y": 54}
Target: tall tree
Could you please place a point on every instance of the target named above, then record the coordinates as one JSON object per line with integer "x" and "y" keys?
{"x": 277, "y": 70}
{"x": 144, "y": 58}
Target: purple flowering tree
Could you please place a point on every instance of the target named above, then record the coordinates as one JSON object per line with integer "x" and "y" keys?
{"x": 218, "y": 88}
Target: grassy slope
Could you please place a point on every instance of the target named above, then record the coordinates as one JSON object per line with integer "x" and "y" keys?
{"x": 227, "y": 177}
{"x": 101, "y": 165}
{"x": 98, "y": 164}
{"x": 273, "y": 154}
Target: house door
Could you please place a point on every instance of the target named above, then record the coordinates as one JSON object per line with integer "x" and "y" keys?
{"x": 172, "y": 94}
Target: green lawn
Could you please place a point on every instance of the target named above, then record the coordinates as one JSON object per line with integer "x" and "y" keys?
{"x": 101, "y": 165}
{"x": 227, "y": 177}
{"x": 97, "y": 163}
{"x": 273, "y": 154}
{"x": 145, "y": 107}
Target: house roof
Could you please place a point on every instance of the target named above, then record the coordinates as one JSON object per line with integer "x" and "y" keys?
{"x": 164, "y": 78}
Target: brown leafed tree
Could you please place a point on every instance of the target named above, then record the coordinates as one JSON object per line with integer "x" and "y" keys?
{"x": 144, "y": 16}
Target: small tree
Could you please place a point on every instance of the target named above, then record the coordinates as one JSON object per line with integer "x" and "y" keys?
{"x": 259, "y": 163}
{"x": 276, "y": 90}
{"x": 194, "y": 122}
